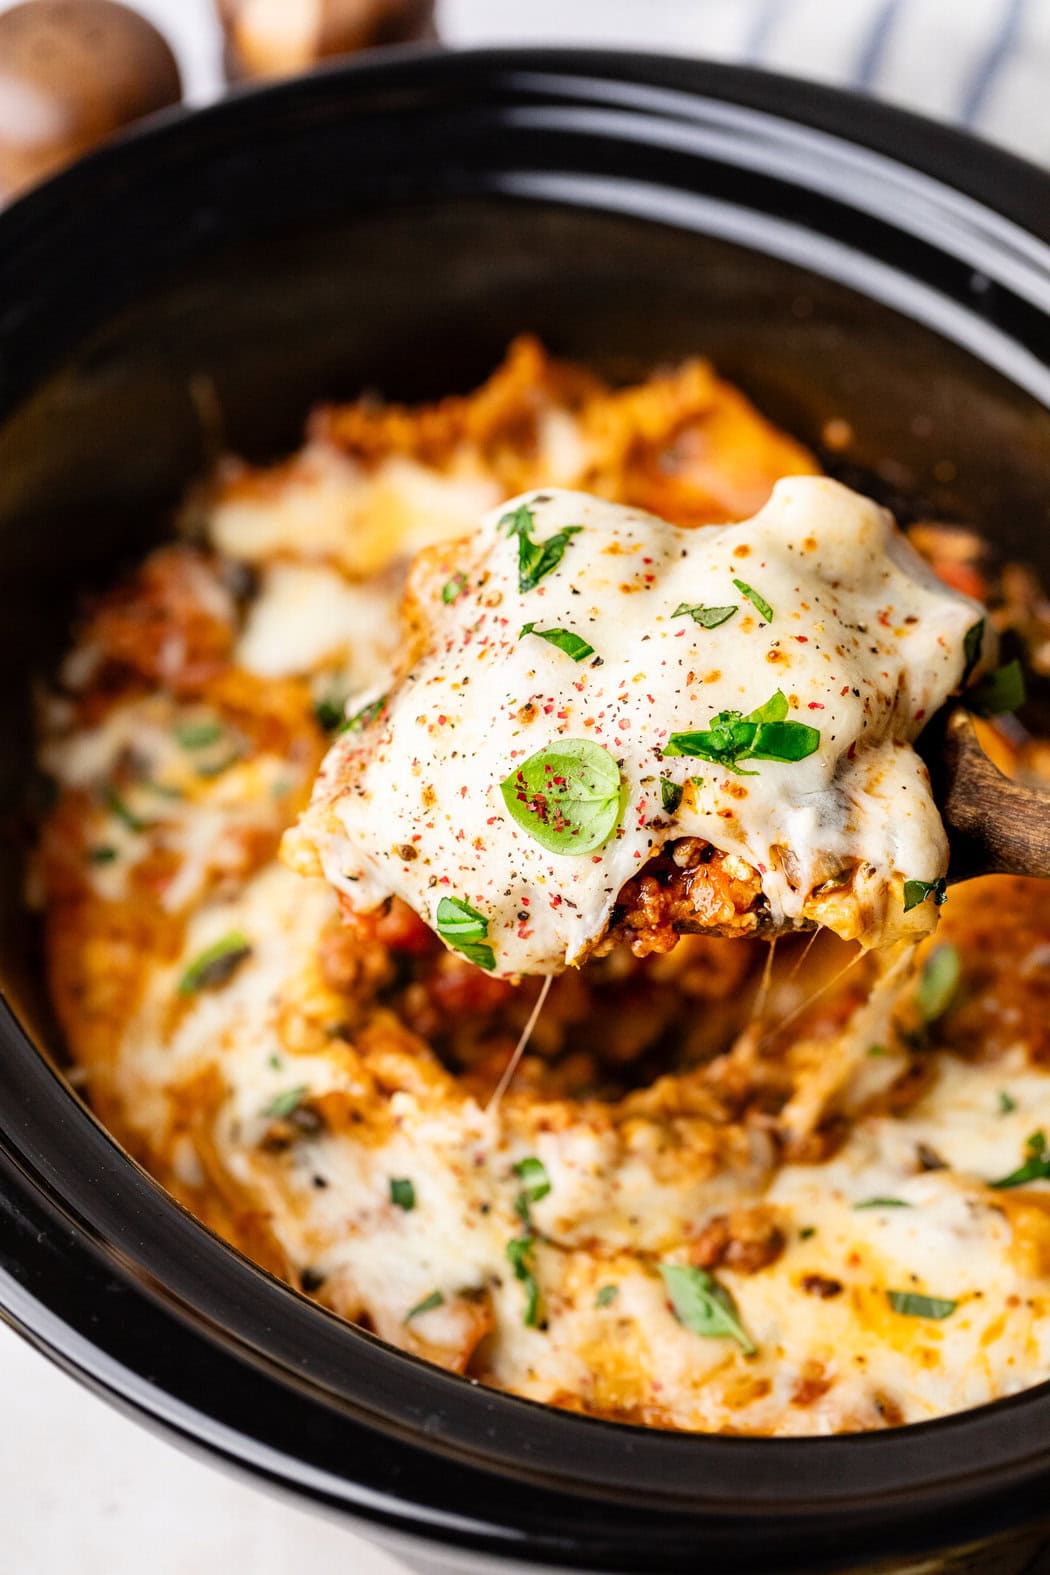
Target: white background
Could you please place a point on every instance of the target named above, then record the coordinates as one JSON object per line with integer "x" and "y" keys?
{"x": 83, "y": 1491}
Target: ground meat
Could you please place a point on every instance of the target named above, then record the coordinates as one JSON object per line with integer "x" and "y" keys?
{"x": 350, "y": 961}
{"x": 821, "y": 1285}
{"x": 746, "y": 1240}
{"x": 689, "y": 887}
{"x": 812, "y": 1385}
{"x": 172, "y": 623}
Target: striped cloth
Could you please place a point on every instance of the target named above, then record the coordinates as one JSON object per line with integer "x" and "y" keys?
{"x": 984, "y": 64}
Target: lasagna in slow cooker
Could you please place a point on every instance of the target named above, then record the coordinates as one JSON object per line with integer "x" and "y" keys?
{"x": 732, "y": 1188}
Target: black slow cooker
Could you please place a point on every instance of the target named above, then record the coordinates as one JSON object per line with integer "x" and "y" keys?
{"x": 393, "y": 224}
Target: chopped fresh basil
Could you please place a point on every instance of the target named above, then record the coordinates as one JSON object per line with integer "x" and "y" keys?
{"x": 704, "y": 1306}
{"x": 198, "y": 735}
{"x": 706, "y": 617}
{"x": 972, "y": 642}
{"x": 564, "y": 639}
{"x": 757, "y": 601}
{"x": 402, "y": 1194}
{"x": 1003, "y": 690}
{"x": 465, "y": 929}
{"x": 1007, "y": 1103}
{"x": 761, "y": 735}
{"x": 365, "y": 717}
{"x": 533, "y": 1173}
{"x": 876, "y": 1050}
{"x": 117, "y": 806}
{"x": 216, "y": 964}
{"x": 329, "y": 712}
{"x": 286, "y": 1104}
{"x": 163, "y": 789}
{"x": 453, "y": 588}
{"x": 568, "y": 797}
{"x": 101, "y": 855}
{"x": 435, "y": 1299}
{"x": 670, "y": 795}
{"x": 606, "y": 1295}
{"x": 216, "y": 768}
{"x": 807, "y": 1232}
{"x": 911, "y": 1305}
{"x": 883, "y": 1203}
{"x": 938, "y": 982}
{"x": 775, "y": 709}
{"x": 536, "y": 559}
{"x": 917, "y": 891}
{"x": 520, "y": 1256}
{"x": 1035, "y": 1168}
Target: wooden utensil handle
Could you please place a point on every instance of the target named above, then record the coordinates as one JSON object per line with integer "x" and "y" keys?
{"x": 994, "y": 825}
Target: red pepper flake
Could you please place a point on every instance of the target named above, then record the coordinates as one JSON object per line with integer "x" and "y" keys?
{"x": 844, "y": 690}
{"x": 815, "y": 705}
{"x": 851, "y": 752}
{"x": 803, "y": 639}
{"x": 442, "y": 720}
{"x": 920, "y": 714}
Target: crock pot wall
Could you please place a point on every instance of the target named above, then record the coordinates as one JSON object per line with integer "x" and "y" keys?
{"x": 359, "y": 227}
{"x": 422, "y": 299}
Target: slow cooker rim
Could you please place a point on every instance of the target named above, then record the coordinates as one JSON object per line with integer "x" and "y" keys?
{"x": 37, "y": 1191}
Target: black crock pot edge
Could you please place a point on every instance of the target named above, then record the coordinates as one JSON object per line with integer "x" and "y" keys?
{"x": 986, "y": 172}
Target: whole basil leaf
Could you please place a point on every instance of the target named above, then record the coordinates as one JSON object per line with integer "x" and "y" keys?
{"x": 568, "y": 797}
{"x": 704, "y": 1306}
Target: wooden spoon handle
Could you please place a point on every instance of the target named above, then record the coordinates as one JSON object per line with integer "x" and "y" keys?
{"x": 993, "y": 824}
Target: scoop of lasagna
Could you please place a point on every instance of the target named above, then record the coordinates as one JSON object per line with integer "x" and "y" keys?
{"x": 608, "y": 726}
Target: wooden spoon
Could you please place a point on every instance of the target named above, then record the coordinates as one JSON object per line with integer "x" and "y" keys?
{"x": 994, "y": 825}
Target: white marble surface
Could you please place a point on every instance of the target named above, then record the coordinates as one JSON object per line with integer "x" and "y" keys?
{"x": 84, "y": 1491}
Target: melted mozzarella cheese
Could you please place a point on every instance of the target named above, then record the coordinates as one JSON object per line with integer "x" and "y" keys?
{"x": 863, "y": 641}
{"x": 308, "y": 616}
{"x": 329, "y": 506}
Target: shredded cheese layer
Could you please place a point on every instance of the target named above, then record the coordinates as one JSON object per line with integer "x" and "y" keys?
{"x": 711, "y": 1198}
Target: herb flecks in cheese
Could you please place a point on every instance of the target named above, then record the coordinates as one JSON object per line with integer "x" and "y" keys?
{"x": 806, "y": 721}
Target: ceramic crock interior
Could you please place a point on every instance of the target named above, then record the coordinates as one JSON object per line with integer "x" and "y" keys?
{"x": 250, "y": 298}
